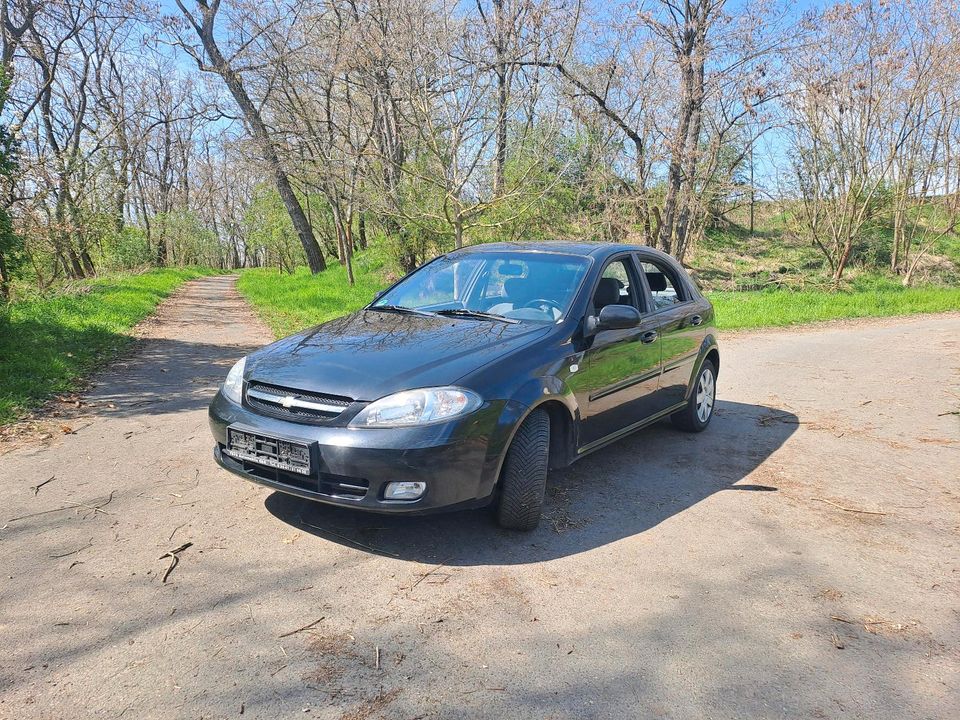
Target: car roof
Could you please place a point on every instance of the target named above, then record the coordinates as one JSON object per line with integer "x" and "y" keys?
{"x": 586, "y": 249}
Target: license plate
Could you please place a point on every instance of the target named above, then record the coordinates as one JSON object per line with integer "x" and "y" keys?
{"x": 278, "y": 453}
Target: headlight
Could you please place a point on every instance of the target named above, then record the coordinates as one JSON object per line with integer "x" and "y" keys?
{"x": 233, "y": 386}
{"x": 418, "y": 407}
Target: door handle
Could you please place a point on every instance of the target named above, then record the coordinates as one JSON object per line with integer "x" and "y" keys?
{"x": 648, "y": 337}
{"x": 696, "y": 319}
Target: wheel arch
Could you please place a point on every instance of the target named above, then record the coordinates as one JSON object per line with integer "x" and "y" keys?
{"x": 713, "y": 355}
{"x": 563, "y": 412}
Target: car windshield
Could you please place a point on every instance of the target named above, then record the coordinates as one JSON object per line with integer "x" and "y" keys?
{"x": 518, "y": 286}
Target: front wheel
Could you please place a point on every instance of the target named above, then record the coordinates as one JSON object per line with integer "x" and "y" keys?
{"x": 699, "y": 410}
{"x": 524, "y": 479}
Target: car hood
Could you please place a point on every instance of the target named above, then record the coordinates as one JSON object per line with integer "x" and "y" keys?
{"x": 370, "y": 354}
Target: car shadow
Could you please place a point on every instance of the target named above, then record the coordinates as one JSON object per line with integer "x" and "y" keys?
{"x": 615, "y": 493}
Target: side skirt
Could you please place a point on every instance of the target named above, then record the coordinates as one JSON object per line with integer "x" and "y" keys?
{"x": 619, "y": 434}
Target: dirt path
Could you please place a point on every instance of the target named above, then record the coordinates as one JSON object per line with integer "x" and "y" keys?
{"x": 715, "y": 576}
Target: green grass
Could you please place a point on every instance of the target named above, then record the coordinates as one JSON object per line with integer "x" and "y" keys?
{"x": 49, "y": 343}
{"x": 741, "y": 310}
{"x": 289, "y": 303}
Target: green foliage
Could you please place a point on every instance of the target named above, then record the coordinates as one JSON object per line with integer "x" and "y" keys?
{"x": 541, "y": 204}
{"x": 268, "y": 225}
{"x": 291, "y": 302}
{"x": 189, "y": 241}
{"x": 49, "y": 342}
{"x": 126, "y": 249}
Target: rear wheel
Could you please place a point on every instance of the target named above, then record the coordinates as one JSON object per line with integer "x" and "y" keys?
{"x": 524, "y": 478}
{"x": 699, "y": 410}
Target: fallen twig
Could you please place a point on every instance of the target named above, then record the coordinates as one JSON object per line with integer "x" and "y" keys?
{"x": 847, "y": 509}
{"x": 36, "y": 488}
{"x": 70, "y": 506}
{"x": 95, "y": 508}
{"x": 174, "y": 560}
{"x": 426, "y": 574}
{"x": 305, "y": 627}
{"x": 36, "y": 514}
{"x": 73, "y": 552}
{"x": 348, "y": 539}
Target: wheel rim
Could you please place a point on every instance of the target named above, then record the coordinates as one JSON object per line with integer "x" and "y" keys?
{"x": 706, "y": 389}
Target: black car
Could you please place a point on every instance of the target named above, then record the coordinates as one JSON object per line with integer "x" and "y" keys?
{"x": 461, "y": 384}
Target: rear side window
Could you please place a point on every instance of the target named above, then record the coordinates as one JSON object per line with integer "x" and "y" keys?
{"x": 664, "y": 284}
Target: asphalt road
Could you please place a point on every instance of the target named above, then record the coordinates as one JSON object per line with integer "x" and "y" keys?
{"x": 798, "y": 560}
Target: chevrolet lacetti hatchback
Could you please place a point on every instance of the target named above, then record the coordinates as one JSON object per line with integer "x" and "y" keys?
{"x": 463, "y": 383}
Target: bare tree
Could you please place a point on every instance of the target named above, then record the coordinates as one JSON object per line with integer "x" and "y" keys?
{"x": 211, "y": 59}
{"x": 848, "y": 125}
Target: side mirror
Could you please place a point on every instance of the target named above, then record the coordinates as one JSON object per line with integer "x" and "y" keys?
{"x": 379, "y": 294}
{"x": 615, "y": 317}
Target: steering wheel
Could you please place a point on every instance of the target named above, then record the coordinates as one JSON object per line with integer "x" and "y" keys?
{"x": 540, "y": 302}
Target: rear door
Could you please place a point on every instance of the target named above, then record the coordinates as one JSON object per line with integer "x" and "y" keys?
{"x": 618, "y": 383}
{"x": 679, "y": 321}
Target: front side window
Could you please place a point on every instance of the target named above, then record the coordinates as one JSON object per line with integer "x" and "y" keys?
{"x": 616, "y": 286}
{"x": 525, "y": 286}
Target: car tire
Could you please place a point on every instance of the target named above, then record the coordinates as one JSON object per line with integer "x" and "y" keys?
{"x": 524, "y": 477}
{"x": 699, "y": 410}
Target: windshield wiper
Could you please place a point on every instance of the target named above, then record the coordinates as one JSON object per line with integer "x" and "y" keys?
{"x": 401, "y": 309}
{"x": 463, "y": 312}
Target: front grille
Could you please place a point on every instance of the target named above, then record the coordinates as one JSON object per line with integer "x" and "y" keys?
{"x": 295, "y": 405}
{"x": 337, "y": 486}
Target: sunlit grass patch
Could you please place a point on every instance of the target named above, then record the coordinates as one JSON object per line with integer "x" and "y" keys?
{"x": 48, "y": 343}
{"x": 741, "y": 310}
{"x": 288, "y": 303}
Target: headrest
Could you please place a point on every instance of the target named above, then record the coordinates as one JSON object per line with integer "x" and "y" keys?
{"x": 657, "y": 281}
{"x": 514, "y": 287}
{"x": 608, "y": 293}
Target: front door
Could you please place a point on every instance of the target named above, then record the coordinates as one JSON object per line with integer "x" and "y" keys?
{"x": 617, "y": 386}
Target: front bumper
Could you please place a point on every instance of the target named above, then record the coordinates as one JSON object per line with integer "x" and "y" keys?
{"x": 460, "y": 461}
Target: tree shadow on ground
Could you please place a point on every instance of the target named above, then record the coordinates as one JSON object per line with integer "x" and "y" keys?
{"x": 163, "y": 376}
{"x": 615, "y": 493}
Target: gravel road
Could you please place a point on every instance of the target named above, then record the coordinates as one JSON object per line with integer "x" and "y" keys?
{"x": 799, "y": 559}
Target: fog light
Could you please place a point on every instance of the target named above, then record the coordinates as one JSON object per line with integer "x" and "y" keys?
{"x": 404, "y": 490}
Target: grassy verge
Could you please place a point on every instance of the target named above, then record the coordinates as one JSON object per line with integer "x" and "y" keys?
{"x": 742, "y": 310}
{"x": 48, "y": 344}
{"x": 288, "y": 303}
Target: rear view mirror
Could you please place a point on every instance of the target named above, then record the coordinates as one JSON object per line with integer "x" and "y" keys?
{"x": 510, "y": 270}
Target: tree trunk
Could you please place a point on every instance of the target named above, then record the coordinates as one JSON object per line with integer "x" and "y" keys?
{"x": 348, "y": 241}
{"x": 361, "y": 232}
{"x": 691, "y": 159}
{"x": 87, "y": 261}
{"x": 4, "y": 280}
{"x": 502, "y": 97}
{"x": 259, "y": 131}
